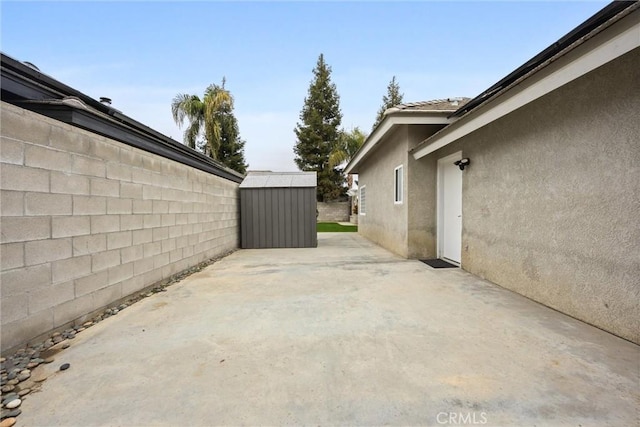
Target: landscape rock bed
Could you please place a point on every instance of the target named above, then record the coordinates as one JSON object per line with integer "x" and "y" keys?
{"x": 18, "y": 374}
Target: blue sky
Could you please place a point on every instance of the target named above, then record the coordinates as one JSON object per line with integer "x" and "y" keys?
{"x": 141, "y": 54}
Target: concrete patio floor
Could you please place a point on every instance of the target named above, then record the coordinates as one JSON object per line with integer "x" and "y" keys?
{"x": 345, "y": 334}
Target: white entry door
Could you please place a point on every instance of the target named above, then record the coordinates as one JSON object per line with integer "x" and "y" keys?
{"x": 450, "y": 208}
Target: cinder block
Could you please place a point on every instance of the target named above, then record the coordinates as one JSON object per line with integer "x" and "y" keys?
{"x": 130, "y": 190}
{"x": 47, "y": 204}
{"x": 132, "y": 285}
{"x": 20, "y": 331}
{"x": 160, "y": 207}
{"x": 83, "y": 165}
{"x": 105, "y": 187}
{"x": 104, "y": 260}
{"x": 50, "y": 296}
{"x": 12, "y": 203}
{"x": 142, "y": 266}
{"x": 153, "y": 276}
{"x": 131, "y": 222}
{"x": 151, "y": 221}
{"x": 175, "y": 255}
{"x": 74, "y": 309}
{"x": 14, "y": 308}
{"x": 70, "y": 139}
{"x": 120, "y": 273}
{"x": 68, "y": 226}
{"x": 141, "y": 176}
{"x": 89, "y": 205}
{"x": 161, "y": 260}
{"x": 108, "y": 295}
{"x": 130, "y": 156}
{"x": 175, "y": 207}
{"x": 118, "y": 240}
{"x": 105, "y": 223}
{"x": 11, "y": 256}
{"x": 20, "y": 229}
{"x": 11, "y": 151}
{"x": 38, "y": 156}
{"x": 90, "y": 244}
{"x": 91, "y": 283}
{"x": 119, "y": 206}
{"x": 70, "y": 268}
{"x": 160, "y": 233}
{"x": 175, "y": 231}
{"x": 21, "y": 280}
{"x": 142, "y": 206}
{"x": 168, "y": 245}
{"x": 168, "y": 219}
{"x": 150, "y": 192}
{"x": 41, "y": 251}
{"x": 69, "y": 184}
{"x": 142, "y": 236}
{"x": 105, "y": 149}
{"x": 131, "y": 253}
{"x": 151, "y": 249}
{"x": 153, "y": 163}
{"x": 29, "y": 127}
{"x": 118, "y": 171}
{"x": 22, "y": 178}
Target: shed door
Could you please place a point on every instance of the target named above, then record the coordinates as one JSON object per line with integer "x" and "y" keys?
{"x": 450, "y": 212}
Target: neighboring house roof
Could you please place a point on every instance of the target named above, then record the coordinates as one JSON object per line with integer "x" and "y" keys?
{"x": 449, "y": 104}
{"x": 434, "y": 112}
{"x": 279, "y": 180}
{"x": 27, "y": 87}
{"x": 582, "y": 50}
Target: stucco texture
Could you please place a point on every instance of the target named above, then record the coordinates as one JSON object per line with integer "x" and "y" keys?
{"x": 551, "y": 200}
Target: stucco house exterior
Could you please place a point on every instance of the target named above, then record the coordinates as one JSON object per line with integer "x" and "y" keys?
{"x": 548, "y": 203}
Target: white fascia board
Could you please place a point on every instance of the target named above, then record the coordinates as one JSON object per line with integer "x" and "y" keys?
{"x": 395, "y": 119}
{"x": 603, "y": 48}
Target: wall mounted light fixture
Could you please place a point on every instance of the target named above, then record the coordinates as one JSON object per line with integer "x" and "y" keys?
{"x": 462, "y": 163}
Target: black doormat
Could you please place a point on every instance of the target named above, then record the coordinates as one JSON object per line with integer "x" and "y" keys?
{"x": 438, "y": 263}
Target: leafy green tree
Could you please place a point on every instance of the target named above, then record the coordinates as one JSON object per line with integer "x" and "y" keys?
{"x": 211, "y": 117}
{"x": 318, "y": 133}
{"x": 392, "y": 98}
{"x": 347, "y": 146}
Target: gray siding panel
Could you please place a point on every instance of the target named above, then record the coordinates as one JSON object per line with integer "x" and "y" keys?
{"x": 278, "y": 217}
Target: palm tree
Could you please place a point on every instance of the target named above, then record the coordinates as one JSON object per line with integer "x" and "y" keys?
{"x": 347, "y": 146}
{"x": 203, "y": 115}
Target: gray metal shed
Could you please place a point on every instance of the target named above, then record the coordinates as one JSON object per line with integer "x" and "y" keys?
{"x": 278, "y": 210}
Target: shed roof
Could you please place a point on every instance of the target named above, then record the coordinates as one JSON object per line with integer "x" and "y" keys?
{"x": 279, "y": 180}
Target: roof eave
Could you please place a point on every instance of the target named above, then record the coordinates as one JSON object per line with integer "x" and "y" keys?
{"x": 389, "y": 122}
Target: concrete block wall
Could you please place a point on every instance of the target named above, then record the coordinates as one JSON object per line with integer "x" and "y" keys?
{"x": 334, "y": 212}
{"x": 86, "y": 221}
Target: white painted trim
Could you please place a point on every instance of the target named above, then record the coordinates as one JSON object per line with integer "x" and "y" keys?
{"x": 392, "y": 120}
{"x": 360, "y": 190}
{"x": 603, "y": 48}
{"x": 395, "y": 184}
{"x": 440, "y": 204}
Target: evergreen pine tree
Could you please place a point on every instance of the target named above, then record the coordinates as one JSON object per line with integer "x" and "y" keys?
{"x": 392, "y": 98}
{"x": 319, "y": 133}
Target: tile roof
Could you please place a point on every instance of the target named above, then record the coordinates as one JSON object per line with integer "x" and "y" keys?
{"x": 279, "y": 180}
{"x": 449, "y": 104}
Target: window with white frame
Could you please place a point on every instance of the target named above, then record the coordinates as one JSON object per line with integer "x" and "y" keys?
{"x": 363, "y": 201}
{"x": 398, "y": 184}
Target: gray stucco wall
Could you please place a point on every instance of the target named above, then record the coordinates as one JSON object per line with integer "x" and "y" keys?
{"x": 551, "y": 200}
{"x": 385, "y": 222}
{"x": 87, "y": 221}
